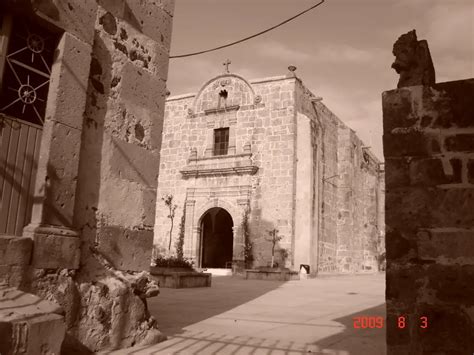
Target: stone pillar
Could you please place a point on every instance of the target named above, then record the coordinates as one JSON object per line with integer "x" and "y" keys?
{"x": 57, "y": 244}
{"x": 429, "y": 174}
{"x": 189, "y": 243}
{"x": 238, "y": 257}
{"x": 196, "y": 251}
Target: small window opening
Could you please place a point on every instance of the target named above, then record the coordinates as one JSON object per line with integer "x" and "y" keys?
{"x": 222, "y": 98}
{"x": 221, "y": 141}
{"x": 223, "y": 94}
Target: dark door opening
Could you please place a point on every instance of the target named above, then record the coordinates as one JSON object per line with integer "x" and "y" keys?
{"x": 217, "y": 238}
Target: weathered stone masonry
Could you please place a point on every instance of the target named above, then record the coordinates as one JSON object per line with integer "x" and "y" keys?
{"x": 92, "y": 222}
{"x": 429, "y": 158}
{"x": 284, "y": 165}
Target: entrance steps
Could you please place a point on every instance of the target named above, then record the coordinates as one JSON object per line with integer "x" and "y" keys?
{"x": 217, "y": 272}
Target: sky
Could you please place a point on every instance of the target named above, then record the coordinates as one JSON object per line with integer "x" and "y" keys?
{"x": 342, "y": 49}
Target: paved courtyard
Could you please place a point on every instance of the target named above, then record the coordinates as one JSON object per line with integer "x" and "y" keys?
{"x": 237, "y": 316}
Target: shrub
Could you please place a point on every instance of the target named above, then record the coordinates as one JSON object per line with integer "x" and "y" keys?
{"x": 173, "y": 261}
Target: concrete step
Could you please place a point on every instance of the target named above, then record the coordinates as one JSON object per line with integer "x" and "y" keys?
{"x": 29, "y": 325}
{"x": 217, "y": 272}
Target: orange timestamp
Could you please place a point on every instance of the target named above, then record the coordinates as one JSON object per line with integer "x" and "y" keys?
{"x": 371, "y": 322}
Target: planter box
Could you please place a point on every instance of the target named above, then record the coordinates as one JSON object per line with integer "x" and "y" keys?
{"x": 272, "y": 275}
{"x": 180, "y": 277}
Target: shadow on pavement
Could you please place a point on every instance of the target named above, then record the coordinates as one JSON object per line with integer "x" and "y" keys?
{"x": 177, "y": 308}
{"x": 355, "y": 341}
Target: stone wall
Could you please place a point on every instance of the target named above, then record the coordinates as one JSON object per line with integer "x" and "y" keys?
{"x": 95, "y": 191}
{"x": 429, "y": 158}
{"x": 263, "y": 127}
{"x": 304, "y": 160}
{"x": 121, "y": 137}
{"x": 358, "y": 212}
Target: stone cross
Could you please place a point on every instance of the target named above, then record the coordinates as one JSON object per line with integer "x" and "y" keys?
{"x": 226, "y": 64}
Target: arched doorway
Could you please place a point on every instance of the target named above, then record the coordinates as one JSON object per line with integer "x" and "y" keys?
{"x": 216, "y": 238}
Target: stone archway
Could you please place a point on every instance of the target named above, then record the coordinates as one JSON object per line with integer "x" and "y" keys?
{"x": 217, "y": 238}
{"x": 195, "y": 212}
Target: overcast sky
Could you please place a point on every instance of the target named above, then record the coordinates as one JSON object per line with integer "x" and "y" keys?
{"x": 342, "y": 49}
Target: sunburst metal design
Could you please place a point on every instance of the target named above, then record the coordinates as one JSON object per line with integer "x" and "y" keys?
{"x": 27, "y": 73}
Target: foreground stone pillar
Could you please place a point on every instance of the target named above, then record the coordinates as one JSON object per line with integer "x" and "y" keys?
{"x": 429, "y": 167}
{"x": 57, "y": 244}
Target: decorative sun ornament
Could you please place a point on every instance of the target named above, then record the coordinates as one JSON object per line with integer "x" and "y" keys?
{"x": 27, "y": 74}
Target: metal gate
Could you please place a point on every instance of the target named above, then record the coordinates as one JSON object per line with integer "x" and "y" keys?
{"x": 19, "y": 151}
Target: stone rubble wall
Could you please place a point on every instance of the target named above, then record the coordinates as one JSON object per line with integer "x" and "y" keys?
{"x": 100, "y": 151}
{"x": 119, "y": 158}
{"x": 429, "y": 163}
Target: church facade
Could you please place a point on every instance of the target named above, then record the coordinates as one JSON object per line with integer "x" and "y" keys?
{"x": 258, "y": 168}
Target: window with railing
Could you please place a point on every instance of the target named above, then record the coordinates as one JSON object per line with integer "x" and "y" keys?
{"x": 28, "y": 55}
{"x": 221, "y": 141}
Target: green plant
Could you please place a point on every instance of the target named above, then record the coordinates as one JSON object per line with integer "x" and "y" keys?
{"x": 180, "y": 241}
{"x": 248, "y": 245}
{"x": 274, "y": 239}
{"x": 168, "y": 200}
{"x": 173, "y": 261}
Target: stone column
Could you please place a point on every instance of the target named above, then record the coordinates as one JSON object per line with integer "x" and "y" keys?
{"x": 238, "y": 257}
{"x": 196, "y": 251}
{"x": 57, "y": 244}
{"x": 188, "y": 248}
{"x": 429, "y": 173}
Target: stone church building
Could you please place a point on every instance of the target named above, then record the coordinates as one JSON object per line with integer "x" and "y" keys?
{"x": 242, "y": 158}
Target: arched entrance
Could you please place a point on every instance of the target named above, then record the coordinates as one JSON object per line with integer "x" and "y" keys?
{"x": 216, "y": 238}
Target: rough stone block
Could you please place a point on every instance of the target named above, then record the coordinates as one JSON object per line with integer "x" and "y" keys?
{"x": 144, "y": 97}
{"x": 52, "y": 251}
{"x": 69, "y": 77}
{"x": 29, "y": 324}
{"x": 396, "y": 172}
{"x": 442, "y": 105}
{"x": 412, "y": 144}
{"x": 451, "y": 284}
{"x": 430, "y": 172}
{"x": 470, "y": 171}
{"x": 459, "y": 96}
{"x": 74, "y": 16}
{"x": 126, "y": 249}
{"x": 15, "y": 250}
{"x": 4, "y": 275}
{"x": 134, "y": 163}
{"x": 410, "y": 208}
{"x": 57, "y": 175}
{"x": 460, "y": 143}
{"x": 397, "y": 110}
{"x": 451, "y": 245}
{"x": 149, "y": 17}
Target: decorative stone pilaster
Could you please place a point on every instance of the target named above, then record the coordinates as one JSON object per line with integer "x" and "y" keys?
{"x": 239, "y": 237}
{"x": 57, "y": 244}
{"x": 189, "y": 242}
{"x": 232, "y": 145}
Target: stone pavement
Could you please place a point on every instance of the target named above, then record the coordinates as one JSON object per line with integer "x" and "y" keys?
{"x": 237, "y": 316}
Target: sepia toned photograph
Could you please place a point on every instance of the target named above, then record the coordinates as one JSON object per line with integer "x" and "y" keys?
{"x": 237, "y": 177}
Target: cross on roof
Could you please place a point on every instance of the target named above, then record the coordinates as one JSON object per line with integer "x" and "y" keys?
{"x": 226, "y": 64}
